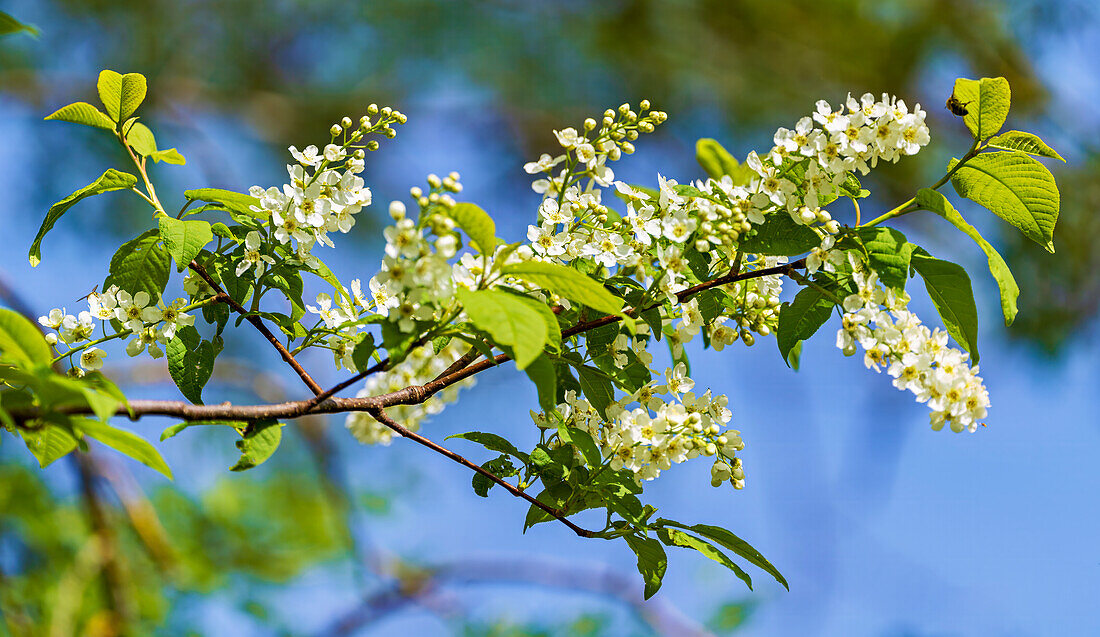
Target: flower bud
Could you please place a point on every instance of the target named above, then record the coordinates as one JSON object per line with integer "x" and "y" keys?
{"x": 397, "y": 210}
{"x": 335, "y": 130}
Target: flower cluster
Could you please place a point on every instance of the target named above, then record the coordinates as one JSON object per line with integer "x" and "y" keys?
{"x": 422, "y": 365}
{"x": 830, "y": 145}
{"x": 919, "y": 359}
{"x": 658, "y": 432}
{"x": 416, "y": 282}
{"x": 325, "y": 191}
{"x": 150, "y": 325}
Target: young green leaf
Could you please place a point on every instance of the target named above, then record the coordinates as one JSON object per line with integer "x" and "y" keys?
{"x": 492, "y": 442}
{"x": 583, "y": 441}
{"x": 121, "y": 94}
{"x": 185, "y": 239}
{"x": 48, "y": 443}
{"x": 801, "y": 318}
{"x": 597, "y": 388}
{"x": 779, "y": 235}
{"x": 127, "y": 443}
{"x": 652, "y": 561}
{"x": 108, "y": 181}
{"x": 541, "y": 372}
{"x": 477, "y": 224}
{"x": 1016, "y": 188}
{"x": 672, "y": 537}
{"x": 888, "y": 254}
{"x": 169, "y": 156}
{"x": 508, "y": 320}
{"x": 987, "y": 101}
{"x": 1026, "y": 142}
{"x": 949, "y": 287}
{"x": 260, "y": 441}
{"x": 934, "y": 201}
{"x": 732, "y": 542}
{"x": 141, "y": 263}
{"x": 82, "y": 113}
{"x": 20, "y": 341}
{"x": 175, "y": 429}
{"x": 191, "y": 362}
{"x": 715, "y": 160}
{"x": 139, "y": 137}
{"x": 234, "y": 202}
{"x": 567, "y": 282}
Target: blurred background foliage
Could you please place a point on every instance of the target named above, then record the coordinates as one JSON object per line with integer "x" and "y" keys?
{"x": 277, "y": 72}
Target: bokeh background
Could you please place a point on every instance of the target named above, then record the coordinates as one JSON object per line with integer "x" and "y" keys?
{"x": 882, "y": 526}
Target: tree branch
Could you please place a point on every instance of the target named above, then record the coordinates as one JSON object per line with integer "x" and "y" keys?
{"x": 385, "y": 420}
{"x": 259, "y": 325}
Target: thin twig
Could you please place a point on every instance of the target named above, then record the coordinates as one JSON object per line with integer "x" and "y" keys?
{"x": 382, "y": 418}
{"x": 259, "y": 325}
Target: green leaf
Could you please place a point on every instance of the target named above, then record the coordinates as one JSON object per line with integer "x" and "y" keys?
{"x": 732, "y": 542}
{"x": 175, "y": 429}
{"x": 508, "y": 320}
{"x": 987, "y": 102}
{"x": 672, "y": 537}
{"x": 232, "y": 201}
{"x": 583, "y": 441}
{"x": 492, "y": 442}
{"x": 779, "y": 235}
{"x": 140, "y": 137}
{"x": 794, "y": 357}
{"x": 1026, "y": 142}
{"x": 715, "y": 160}
{"x": 949, "y": 287}
{"x": 597, "y": 388}
{"x": 21, "y": 343}
{"x": 888, "y": 254}
{"x": 932, "y": 200}
{"x": 48, "y": 443}
{"x": 142, "y": 263}
{"x": 82, "y": 113}
{"x": 800, "y": 319}
{"x": 108, "y": 181}
{"x": 127, "y": 443}
{"x": 191, "y": 362}
{"x": 553, "y": 327}
{"x": 652, "y": 561}
{"x": 477, "y": 224}
{"x": 1016, "y": 188}
{"x": 259, "y": 442}
{"x": 185, "y": 239}
{"x": 501, "y": 467}
{"x": 567, "y": 282}
{"x": 360, "y": 356}
{"x": 9, "y": 25}
{"x": 169, "y": 156}
{"x": 121, "y": 94}
{"x": 542, "y": 374}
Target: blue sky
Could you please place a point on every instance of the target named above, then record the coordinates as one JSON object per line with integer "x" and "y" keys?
{"x": 882, "y": 526}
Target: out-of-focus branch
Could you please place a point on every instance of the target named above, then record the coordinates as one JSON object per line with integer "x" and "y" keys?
{"x": 115, "y": 591}
{"x": 659, "y": 615}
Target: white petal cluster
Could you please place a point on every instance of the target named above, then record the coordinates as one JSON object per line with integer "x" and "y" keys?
{"x": 149, "y": 324}
{"x": 324, "y": 195}
{"x": 920, "y": 360}
{"x": 831, "y": 144}
{"x": 659, "y": 425}
{"x": 422, "y": 365}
